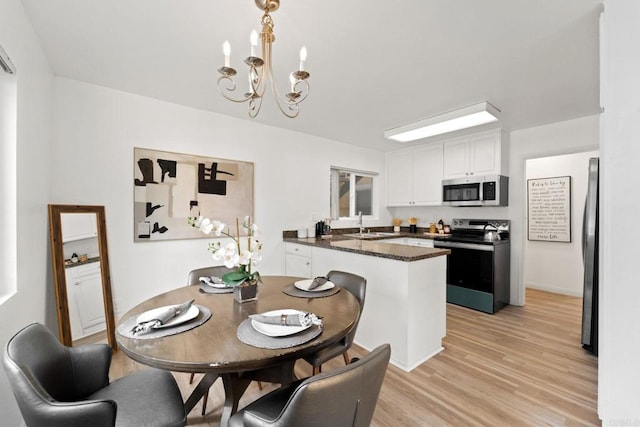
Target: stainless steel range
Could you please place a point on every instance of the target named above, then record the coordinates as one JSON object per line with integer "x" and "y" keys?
{"x": 478, "y": 268}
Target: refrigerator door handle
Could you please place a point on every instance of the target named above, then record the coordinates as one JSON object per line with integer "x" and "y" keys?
{"x": 584, "y": 231}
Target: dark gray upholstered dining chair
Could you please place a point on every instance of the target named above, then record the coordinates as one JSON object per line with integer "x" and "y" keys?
{"x": 357, "y": 285}
{"x": 346, "y": 396}
{"x": 58, "y": 386}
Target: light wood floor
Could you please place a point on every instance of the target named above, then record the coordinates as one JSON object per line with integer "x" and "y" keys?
{"x": 523, "y": 366}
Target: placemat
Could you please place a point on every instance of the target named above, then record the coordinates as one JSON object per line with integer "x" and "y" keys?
{"x": 299, "y": 293}
{"x": 250, "y": 336}
{"x": 125, "y": 327}
{"x": 206, "y": 289}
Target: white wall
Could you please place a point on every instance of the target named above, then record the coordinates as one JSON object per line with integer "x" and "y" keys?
{"x": 557, "y": 266}
{"x": 33, "y": 300}
{"x": 95, "y": 130}
{"x": 618, "y": 373}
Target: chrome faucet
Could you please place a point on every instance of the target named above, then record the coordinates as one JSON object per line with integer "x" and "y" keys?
{"x": 360, "y": 222}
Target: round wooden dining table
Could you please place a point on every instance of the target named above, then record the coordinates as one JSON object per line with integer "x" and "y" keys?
{"x": 214, "y": 348}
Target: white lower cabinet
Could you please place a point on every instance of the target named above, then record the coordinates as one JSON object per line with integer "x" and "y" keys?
{"x": 84, "y": 295}
{"x": 297, "y": 260}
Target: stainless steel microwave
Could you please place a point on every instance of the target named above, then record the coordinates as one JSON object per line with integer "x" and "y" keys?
{"x": 487, "y": 190}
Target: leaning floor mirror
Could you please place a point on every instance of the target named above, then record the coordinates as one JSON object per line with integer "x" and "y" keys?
{"x": 81, "y": 274}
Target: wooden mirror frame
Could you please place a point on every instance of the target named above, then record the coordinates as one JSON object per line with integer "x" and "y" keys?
{"x": 59, "y": 274}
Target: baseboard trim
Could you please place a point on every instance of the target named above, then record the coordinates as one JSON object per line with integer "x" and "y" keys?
{"x": 554, "y": 290}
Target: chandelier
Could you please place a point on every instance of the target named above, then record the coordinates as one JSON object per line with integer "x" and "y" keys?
{"x": 261, "y": 71}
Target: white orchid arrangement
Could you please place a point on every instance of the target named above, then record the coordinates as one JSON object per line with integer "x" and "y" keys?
{"x": 231, "y": 253}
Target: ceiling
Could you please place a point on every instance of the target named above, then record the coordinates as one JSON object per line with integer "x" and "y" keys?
{"x": 374, "y": 65}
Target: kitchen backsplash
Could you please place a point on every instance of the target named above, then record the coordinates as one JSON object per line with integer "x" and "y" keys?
{"x": 81, "y": 247}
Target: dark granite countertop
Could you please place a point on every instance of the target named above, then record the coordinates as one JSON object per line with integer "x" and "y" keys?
{"x": 373, "y": 247}
{"x": 76, "y": 264}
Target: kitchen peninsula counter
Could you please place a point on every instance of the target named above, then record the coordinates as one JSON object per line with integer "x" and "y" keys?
{"x": 405, "y": 303}
{"x": 372, "y": 247}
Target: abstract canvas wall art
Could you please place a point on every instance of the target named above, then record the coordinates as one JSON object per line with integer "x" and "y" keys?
{"x": 169, "y": 187}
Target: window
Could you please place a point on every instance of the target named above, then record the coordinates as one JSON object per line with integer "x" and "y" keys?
{"x": 8, "y": 117}
{"x": 351, "y": 192}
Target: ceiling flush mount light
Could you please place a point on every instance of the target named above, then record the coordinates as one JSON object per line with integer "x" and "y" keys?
{"x": 261, "y": 73}
{"x": 464, "y": 118}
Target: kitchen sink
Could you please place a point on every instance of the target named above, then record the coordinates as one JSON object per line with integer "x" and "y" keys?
{"x": 372, "y": 235}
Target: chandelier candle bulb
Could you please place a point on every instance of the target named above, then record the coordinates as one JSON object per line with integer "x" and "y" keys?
{"x": 303, "y": 58}
{"x": 226, "y": 49}
{"x": 251, "y": 85}
{"x": 254, "y": 42}
{"x": 292, "y": 79}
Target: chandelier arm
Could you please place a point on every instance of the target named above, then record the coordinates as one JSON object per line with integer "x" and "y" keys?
{"x": 255, "y": 104}
{"x": 304, "y": 92}
{"x": 224, "y": 90}
{"x": 290, "y": 110}
{"x": 292, "y": 104}
{"x": 281, "y": 102}
{"x": 261, "y": 80}
{"x": 292, "y": 107}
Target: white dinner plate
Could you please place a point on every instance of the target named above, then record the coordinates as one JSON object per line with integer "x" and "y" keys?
{"x": 278, "y": 330}
{"x": 303, "y": 285}
{"x": 190, "y": 314}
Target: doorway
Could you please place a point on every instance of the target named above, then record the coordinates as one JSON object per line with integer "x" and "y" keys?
{"x": 557, "y": 266}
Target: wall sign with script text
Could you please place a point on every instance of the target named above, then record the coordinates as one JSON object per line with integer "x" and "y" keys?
{"x": 549, "y": 209}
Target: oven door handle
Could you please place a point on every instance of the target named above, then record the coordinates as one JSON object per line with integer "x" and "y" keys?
{"x": 460, "y": 245}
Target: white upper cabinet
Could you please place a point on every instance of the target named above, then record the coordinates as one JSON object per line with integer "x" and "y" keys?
{"x": 483, "y": 153}
{"x": 456, "y": 158}
{"x": 400, "y": 178}
{"x": 414, "y": 176}
{"x": 76, "y": 226}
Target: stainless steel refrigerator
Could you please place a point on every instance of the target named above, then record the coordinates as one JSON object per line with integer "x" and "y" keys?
{"x": 590, "y": 261}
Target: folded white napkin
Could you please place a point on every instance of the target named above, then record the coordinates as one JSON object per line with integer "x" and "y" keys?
{"x": 213, "y": 281}
{"x": 318, "y": 281}
{"x": 301, "y": 318}
{"x": 161, "y": 318}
